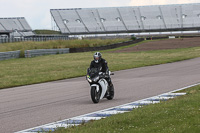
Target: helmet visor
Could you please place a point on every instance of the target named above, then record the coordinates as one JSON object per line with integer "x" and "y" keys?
{"x": 96, "y": 58}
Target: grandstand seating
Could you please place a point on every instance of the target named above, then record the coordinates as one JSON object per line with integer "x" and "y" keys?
{"x": 192, "y": 18}
{"x": 10, "y": 24}
{"x": 73, "y": 21}
{"x": 153, "y": 18}
{"x": 91, "y": 20}
{"x": 127, "y": 19}
{"x": 131, "y": 18}
{"x": 59, "y": 22}
{"x": 112, "y": 20}
{"x": 15, "y": 26}
{"x": 172, "y": 17}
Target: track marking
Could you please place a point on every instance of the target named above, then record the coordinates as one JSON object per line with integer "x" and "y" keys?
{"x": 75, "y": 121}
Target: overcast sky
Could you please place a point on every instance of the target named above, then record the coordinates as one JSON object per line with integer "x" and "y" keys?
{"x": 37, "y": 12}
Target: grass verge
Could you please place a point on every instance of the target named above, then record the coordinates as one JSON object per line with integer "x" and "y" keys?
{"x": 179, "y": 115}
{"x": 26, "y": 71}
{"x": 132, "y": 45}
{"x": 29, "y": 45}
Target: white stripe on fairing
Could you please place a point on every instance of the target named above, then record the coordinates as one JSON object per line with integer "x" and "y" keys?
{"x": 111, "y": 111}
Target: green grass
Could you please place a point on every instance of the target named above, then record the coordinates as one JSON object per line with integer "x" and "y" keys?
{"x": 179, "y": 115}
{"x": 25, "y": 71}
{"x": 29, "y": 45}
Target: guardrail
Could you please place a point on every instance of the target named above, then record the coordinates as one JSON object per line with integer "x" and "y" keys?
{"x": 41, "y": 52}
{"x": 9, "y": 55}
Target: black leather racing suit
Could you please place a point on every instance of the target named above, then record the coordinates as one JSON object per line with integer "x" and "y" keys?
{"x": 103, "y": 67}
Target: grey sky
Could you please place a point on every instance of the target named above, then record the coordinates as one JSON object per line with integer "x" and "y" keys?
{"x": 37, "y": 12}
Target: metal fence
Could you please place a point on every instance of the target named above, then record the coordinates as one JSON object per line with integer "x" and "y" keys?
{"x": 9, "y": 55}
{"x": 41, "y": 52}
{"x": 9, "y": 40}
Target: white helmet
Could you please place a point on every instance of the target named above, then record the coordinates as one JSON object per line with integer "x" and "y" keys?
{"x": 97, "y": 57}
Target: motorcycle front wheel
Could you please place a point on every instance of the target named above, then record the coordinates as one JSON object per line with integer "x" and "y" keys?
{"x": 95, "y": 95}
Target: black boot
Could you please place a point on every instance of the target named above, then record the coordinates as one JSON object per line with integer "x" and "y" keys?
{"x": 110, "y": 93}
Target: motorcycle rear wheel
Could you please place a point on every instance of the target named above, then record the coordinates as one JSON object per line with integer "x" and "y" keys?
{"x": 95, "y": 96}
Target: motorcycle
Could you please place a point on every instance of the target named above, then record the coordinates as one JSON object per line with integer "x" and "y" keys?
{"x": 99, "y": 86}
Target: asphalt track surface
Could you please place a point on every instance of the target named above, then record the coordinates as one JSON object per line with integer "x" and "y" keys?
{"x": 34, "y": 105}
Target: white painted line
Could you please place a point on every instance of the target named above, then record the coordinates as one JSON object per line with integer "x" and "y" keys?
{"x": 159, "y": 98}
{"x": 112, "y": 112}
{"x": 185, "y": 88}
{"x": 148, "y": 102}
{"x": 130, "y": 107}
{"x": 60, "y": 125}
{"x": 172, "y": 94}
{"x": 109, "y": 111}
{"x": 87, "y": 118}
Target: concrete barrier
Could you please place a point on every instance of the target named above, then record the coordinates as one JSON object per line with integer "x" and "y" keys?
{"x": 41, "y": 52}
{"x": 9, "y": 55}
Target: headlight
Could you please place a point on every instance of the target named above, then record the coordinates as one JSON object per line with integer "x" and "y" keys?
{"x": 88, "y": 78}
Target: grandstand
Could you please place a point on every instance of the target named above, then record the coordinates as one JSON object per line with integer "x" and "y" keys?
{"x": 135, "y": 19}
{"x": 15, "y": 27}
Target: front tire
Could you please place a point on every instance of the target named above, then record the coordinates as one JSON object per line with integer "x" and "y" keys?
{"x": 95, "y": 96}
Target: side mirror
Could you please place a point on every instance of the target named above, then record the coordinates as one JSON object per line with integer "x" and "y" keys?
{"x": 110, "y": 73}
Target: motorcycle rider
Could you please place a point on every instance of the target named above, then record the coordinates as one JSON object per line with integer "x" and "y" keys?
{"x": 101, "y": 63}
